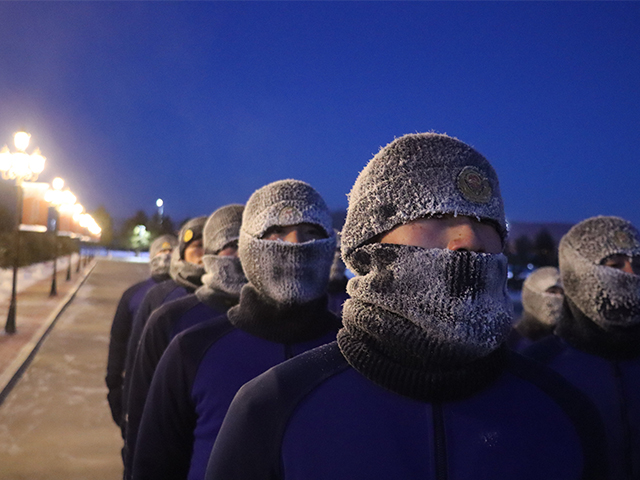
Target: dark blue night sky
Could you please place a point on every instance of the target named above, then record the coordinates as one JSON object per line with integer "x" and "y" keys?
{"x": 200, "y": 103}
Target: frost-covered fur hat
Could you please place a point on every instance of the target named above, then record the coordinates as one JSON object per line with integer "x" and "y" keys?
{"x": 607, "y": 296}
{"x": 223, "y": 273}
{"x": 285, "y": 203}
{"x": 222, "y": 228}
{"x": 289, "y": 273}
{"x": 190, "y": 232}
{"x": 416, "y": 176}
{"x": 545, "y": 306}
{"x": 163, "y": 242}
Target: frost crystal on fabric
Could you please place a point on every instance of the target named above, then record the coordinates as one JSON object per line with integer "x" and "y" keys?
{"x": 222, "y": 273}
{"x": 607, "y": 296}
{"x": 455, "y": 302}
{"x": 160, "y": 264}
{"x": 419, "y": 176}
{"x": 289, "y": 273}
{"x": 285, "y": 203}
{"x": 543, "y": 306}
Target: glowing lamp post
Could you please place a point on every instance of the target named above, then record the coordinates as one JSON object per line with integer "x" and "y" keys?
{"x": 19, "y": 166}
{"x": 61, "y": 201}
{"x": 160, "y": 205}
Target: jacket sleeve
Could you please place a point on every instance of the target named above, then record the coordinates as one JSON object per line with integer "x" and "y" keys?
{"x": 165, "y": 438}
{"x": 120, "y": 331}
{"x": 152, "y": 345}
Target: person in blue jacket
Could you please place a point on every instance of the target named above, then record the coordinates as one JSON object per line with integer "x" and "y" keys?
{"x": 419, "y": 384}
{"x": 159, "y": 260}
{"x": 186, "y": 270}
{"x": 286, "y": 248}
{"x": 596, "y": 345}
{"x": 220, "y": 290}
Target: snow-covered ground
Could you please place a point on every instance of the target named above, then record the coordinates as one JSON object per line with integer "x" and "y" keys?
{"x": 27, "y": 276}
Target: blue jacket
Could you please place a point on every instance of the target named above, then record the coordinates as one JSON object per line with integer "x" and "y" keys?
{"x": 614, "y": 387}
{"x": 120, "y": 332}
{"x": 196, "y": 380}
{"x": 164, "y": 323}
{"x": 316, "y": 417}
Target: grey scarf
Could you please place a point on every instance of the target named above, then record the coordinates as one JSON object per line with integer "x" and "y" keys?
{"x": 223, "y": 275}
{"x": 289, "y": 273}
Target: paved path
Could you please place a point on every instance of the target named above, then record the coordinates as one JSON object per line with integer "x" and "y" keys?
{"x": 55, "y": 423}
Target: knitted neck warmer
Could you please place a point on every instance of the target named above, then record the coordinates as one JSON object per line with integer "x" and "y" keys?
{"x": 426, "y": 323}
{"x": 189, "y": 275}
{"x": 615, "y": 343}
{"x": 223, "y": 273}
{"x": 159, "y": 264}
{"x": 288, "y": 273}
{"x": 216, "y": 299}
{"x": 264, "y": 318}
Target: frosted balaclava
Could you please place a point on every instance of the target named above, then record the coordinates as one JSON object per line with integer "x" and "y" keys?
{"x": 159, "y": 262}
{"x": 607, "y": 296}
{"x": 185, "y": 273}
{"x": 544, "y": 306}
{"x": 289, "y": 273}
{"x": 223, "y": 273}
{"x": 432, "y": 309}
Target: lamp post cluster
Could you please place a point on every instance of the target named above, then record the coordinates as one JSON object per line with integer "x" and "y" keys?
{"x": 21, "y": 166}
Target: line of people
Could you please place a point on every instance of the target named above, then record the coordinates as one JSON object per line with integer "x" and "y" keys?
{"x": 251, "y": 361}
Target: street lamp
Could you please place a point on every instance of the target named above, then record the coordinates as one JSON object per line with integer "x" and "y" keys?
{"x": 55, "y": 197}
{"x": 160, "y": 205}
{"x": 77, "y": 212}
{"x": 18, "y": 166}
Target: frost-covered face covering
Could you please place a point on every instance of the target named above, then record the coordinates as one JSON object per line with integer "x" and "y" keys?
{"x": 455, "y": 301}
{"x": 159, "y": 262}
{"x": 288, "y": 273}
{"x": 607, "y": 296}
{"x": 223, "y": 273}
{"x": 544, "y": 306}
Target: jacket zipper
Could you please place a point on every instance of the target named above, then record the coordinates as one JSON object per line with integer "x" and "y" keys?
{"x": 440, "y": 444}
